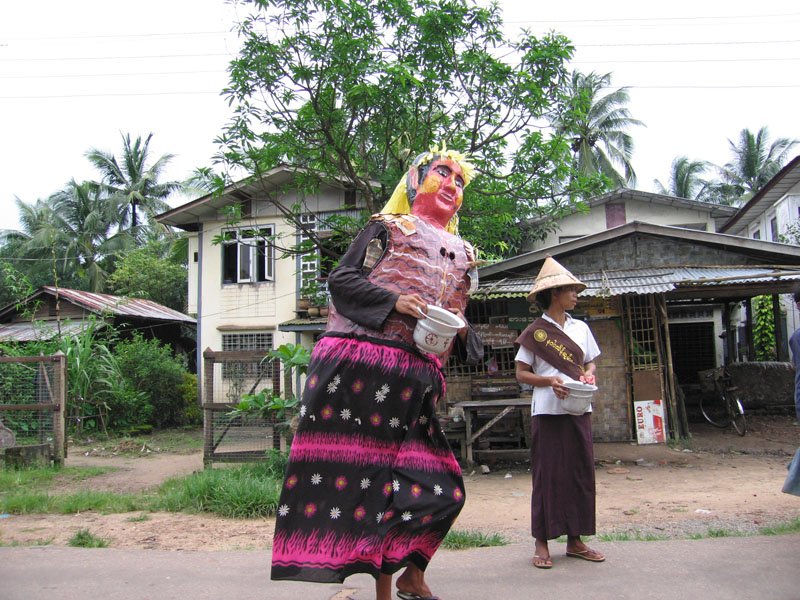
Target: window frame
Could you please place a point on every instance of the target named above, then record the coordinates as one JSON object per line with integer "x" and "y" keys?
{"x": 254, "y": 255}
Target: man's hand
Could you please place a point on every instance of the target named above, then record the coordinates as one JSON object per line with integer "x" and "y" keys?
{"x": 411, "y": 304}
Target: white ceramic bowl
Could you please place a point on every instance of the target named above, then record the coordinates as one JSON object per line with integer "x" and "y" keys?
{"x": 580, "y": 397}
{"x": 434, "y": 331}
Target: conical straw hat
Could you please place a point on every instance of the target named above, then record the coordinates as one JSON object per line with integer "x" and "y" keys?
{"x": 553, "y": 275}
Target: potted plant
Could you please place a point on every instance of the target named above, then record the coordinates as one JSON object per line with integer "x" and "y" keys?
{"x": 308, "y": 290}
{"x": 318, "y": 303}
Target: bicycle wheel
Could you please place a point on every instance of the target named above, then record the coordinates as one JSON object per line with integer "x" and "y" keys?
{"x": 715, "y": 411}
{"x": 737, "y": 414}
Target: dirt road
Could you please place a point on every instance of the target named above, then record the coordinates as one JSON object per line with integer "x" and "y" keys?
{"x": 719, "y": 481}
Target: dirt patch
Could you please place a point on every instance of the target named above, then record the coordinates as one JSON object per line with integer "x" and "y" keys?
{"x": 718, "y": 481}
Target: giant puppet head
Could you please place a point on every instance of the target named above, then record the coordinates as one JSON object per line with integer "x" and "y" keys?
{"x": 433, "y": 188}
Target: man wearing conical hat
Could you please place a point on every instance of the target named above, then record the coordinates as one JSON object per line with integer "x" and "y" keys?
{"x": 372, "y": 485}
{"x": 556, "y": 350}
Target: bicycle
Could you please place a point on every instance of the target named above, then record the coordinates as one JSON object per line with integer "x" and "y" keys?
{"x": 724, "y": 408}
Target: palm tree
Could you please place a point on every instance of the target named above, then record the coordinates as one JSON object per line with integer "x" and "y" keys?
{"x": 132, "y": 184}
{"x": 755, "y": 162}
{"x": 87, "y": 231}
{"x": 685, "y": 180}
{"x": 599, "y": 138}
{"x": 72, "y": 236}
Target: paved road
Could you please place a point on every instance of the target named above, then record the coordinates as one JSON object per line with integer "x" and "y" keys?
{"x": 736, "y": 568}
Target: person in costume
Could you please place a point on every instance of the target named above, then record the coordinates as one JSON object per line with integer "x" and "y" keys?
{"x": 372, "y": 485}
{"x": 554, "y": 350}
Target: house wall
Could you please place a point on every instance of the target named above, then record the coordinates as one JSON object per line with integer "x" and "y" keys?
{"x": 610, "y": 405}
{"x": 640, "y": 251}
{"x": 46, "y": 311}
{"x": 787, "y": 212}
{"x": 595, "y": 221}
{"x": 256, "y": 307}
{"x": 194, "y": 260}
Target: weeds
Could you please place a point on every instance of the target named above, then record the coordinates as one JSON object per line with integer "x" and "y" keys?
{"x": 792, "y": 526}
{"x": 139, "y": 519}
{"x": 243, "y": 492}
{"x": 85, "y": 539}
{"x": 460, "y": 540}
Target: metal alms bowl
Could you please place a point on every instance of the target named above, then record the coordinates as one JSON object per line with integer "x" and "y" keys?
{"x": 579, "y": 399}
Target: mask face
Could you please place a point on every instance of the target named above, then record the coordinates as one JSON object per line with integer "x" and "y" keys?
{"x": 439, "y": 196}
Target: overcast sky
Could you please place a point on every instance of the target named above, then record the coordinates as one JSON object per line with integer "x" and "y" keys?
{"x": 75, "y": 75}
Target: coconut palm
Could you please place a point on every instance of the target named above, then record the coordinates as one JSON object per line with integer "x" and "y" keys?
{"x": 131, "y": 183}
{"x": 72, "y": 235}
{"x": 755, "y": 161}
{"x": 685, "y": 179}
{"x": 86, "y": 230}
{"x": 600, "y": 142}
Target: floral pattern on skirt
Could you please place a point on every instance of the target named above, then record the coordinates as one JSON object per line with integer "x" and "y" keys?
{"x": 372, "y": 484}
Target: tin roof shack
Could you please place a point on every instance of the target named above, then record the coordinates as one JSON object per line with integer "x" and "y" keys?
{"x": 662, "y": 301}
{"x": 51, "y": 310}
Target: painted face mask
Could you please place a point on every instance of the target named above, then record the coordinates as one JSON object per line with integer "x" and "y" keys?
{"x": 440, "y": 194}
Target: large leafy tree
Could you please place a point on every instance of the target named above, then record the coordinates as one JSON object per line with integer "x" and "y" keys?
{"x": 133, "y": 184}
{"x": 685, "y": 179}
{"x": 148, "y": 272}
{"x": 598, "y": 129}
{"x": 755, "y": 160}
{"x": 350, "y": 88}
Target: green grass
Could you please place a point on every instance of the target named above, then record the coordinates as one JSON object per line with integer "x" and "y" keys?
{"x": 85, "y": 539}
{"x": 39, "y": 478}
{"x": 138, "y": 519}
{"x": 24, "y": 502}
{"x": 249, "y": 491}
{"x": 27, "y": 544}
{"x": 792, "y": 526}
{"x": 461, "y": 540}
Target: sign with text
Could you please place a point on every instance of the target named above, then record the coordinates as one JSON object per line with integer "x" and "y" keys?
{"x": 495, "y": 335}
{"x": 649, "y": 422}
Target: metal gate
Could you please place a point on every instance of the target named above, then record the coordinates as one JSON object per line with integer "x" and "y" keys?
{"x": 234, "y": 438}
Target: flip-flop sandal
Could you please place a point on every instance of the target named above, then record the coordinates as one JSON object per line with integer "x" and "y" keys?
{"x": 413, "y": 596}
{"x": 588, "y": 554}
{"x": 541, "y": 562}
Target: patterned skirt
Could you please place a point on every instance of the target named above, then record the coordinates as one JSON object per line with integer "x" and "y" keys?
{"x": 372, "y": 484}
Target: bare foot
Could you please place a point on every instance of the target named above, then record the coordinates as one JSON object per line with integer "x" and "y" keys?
{"x": 412, "y": 581}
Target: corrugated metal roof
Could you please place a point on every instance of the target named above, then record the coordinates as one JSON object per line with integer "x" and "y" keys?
{"x": 120, "y": 305}
{"x": 304, "y": 324}
{"x": 774, "y": 190}
{"x": 37, "y": 331}
{"x": 645, "y": 281}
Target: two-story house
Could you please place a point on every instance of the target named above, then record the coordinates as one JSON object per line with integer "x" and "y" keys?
{"x": 770, "y": 215}
{"x": 625, "y": 205}
{"x": 243, "y": 284}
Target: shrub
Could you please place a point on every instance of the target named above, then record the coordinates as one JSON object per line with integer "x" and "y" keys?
{"x": 151, "y": 368}
{"x": 192, "y": 413}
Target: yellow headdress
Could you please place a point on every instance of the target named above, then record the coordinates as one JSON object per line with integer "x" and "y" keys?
{"x": 398, "y": 203}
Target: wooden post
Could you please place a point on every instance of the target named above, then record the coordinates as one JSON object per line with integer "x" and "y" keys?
{"x": 748, "y": 327}
{"x": 60, "y": 414}
{"x": 780, "y": 341}
{"x": 208, "y": 415}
